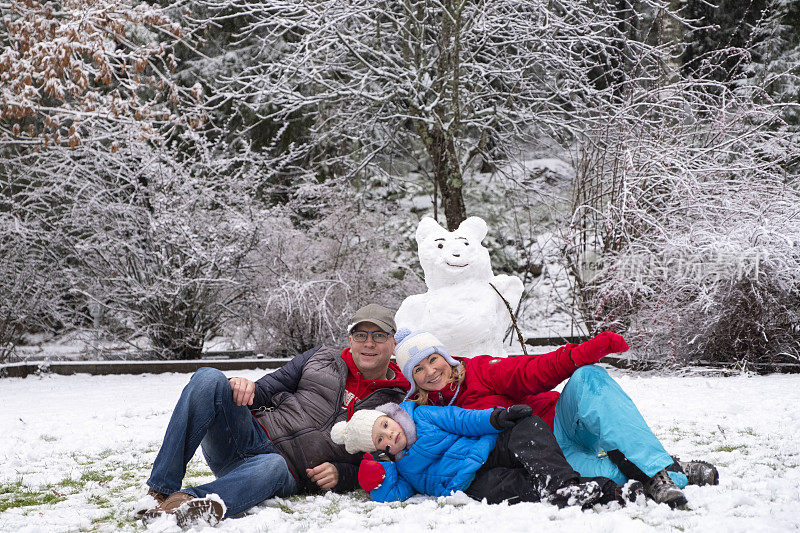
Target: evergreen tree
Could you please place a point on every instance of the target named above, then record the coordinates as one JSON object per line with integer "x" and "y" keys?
{"x": 776, "y": 66}
{"x": 720, "y": 47}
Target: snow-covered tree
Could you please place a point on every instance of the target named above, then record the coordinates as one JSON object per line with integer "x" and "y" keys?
{"x": 85, "y": 70}
{"x": 445, "y": 83}
{"x": 724, "y": 45}
{"x": 776, "y": 65}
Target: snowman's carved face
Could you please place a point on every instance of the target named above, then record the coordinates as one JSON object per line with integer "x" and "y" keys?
{"x": 456, "y": 255}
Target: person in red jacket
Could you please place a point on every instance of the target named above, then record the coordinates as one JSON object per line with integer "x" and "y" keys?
{"x": 597, "y": 425}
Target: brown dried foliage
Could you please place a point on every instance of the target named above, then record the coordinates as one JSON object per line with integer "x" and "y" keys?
{"x": 63, "y": 67}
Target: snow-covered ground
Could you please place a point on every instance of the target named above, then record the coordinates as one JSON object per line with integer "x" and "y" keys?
{"x": 82, "y": 447}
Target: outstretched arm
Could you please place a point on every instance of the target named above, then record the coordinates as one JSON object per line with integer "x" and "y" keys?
{"x": 522, "y": 375}
{"x": 458, "y": 421}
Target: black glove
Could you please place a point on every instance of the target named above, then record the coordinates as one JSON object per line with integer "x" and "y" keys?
{"x": 507, "y": 418}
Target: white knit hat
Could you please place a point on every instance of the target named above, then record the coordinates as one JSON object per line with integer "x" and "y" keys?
{"x": 413, "y": 347}
{"x": 356, "y": 435}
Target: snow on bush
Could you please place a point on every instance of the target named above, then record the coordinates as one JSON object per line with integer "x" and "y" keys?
{"x": 311, "y": 275}
{"x": 29, "y": 286}
{"x": 156, "y": 243}
{"x": 87, "y": 70}
{"x": 686, "y": 233}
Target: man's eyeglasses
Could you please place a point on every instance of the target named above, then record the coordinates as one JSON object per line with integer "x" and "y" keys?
{"x": 378, "y": 337}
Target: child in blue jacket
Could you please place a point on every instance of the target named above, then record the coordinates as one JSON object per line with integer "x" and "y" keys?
{"x": 496, "y": 454}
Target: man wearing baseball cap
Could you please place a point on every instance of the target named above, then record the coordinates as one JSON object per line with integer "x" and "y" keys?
{"x": 272, "y": 437}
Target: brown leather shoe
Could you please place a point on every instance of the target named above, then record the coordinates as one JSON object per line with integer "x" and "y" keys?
{"x": 159, "y": 497}
{"x": 166, "y": 506}
{"x": 197, "y": 510}
{"x": 187, "y": 510}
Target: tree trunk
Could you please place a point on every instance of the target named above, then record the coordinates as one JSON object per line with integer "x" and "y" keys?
{"x": 670, "y": 31}
{"x": 447, "y": 175}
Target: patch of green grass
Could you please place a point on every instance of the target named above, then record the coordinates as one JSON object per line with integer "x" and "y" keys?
{"x": 285, "y": 508}
{"x": 69, "y": 483}
{"x": 106, "y": 453}
{"x": 48, "y": 438}
{"x": 111, "y": 518}
{"x": 360, "y": 495}
{"x": 99, "y": 501}
{"x": 333, "y": 508}
{"x": 28, "y": 498}
{"x": 729, "y": 448}
{"x": 198, "y": 472}
{"x": 10, "y": 488}
{"x": 94, "y": 475}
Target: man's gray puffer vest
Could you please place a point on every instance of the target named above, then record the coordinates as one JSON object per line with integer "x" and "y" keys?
{"x": 299, "y": 423}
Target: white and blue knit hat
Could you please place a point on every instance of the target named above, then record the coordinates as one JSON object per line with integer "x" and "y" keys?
{"x": 413, "y": 347}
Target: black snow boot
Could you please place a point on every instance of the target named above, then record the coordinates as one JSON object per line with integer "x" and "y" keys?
{"x": 585, "y": 494}
{"x": 622, "y": 494}
{"x": 700, "y": 472}
{"x": 630, "y": 491}
{"x": 661, "y": 489}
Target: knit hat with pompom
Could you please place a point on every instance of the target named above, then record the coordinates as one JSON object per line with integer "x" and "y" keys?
{"x": 414, "y": 346}
{"x": 356, "y": 435}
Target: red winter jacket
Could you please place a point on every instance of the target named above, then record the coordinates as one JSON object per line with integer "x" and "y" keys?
{"x": 502, "y": 382}
{"x": 357, "y": 388}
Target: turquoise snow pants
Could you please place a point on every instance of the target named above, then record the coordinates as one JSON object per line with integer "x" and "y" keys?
{"x": 594, "y": 416}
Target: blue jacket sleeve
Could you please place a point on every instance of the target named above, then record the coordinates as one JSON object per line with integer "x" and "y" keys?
{"x": 458, "y": 421}
{"x": 394, "y": 488}
{"x": 285, "y": 379}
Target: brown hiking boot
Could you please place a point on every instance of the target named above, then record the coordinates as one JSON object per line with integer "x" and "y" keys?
{"x": 159, "y": 497}
{"x": 187, "y": 510}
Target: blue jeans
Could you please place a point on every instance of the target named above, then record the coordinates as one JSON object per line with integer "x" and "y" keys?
{"x": 594, "y": 416}
{"x": 248, "y": 467}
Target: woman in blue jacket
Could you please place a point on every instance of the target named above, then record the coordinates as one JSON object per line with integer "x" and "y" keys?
{"x": 497, "y": 454}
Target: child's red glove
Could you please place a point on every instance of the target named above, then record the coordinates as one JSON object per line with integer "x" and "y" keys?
{"x": 370, "y": 473}
{"x": 594, "y": 349}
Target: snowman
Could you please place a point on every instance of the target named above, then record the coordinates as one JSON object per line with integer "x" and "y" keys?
{"x": 461, "y": 307}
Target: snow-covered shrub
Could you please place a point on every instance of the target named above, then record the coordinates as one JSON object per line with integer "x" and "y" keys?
{"x": 685, "y": 232}
{"x": 156, "y": 241}
{"x": 30, "y": 288}
{"x": 312, "y": 274}
{"x": 729, "y": 290}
